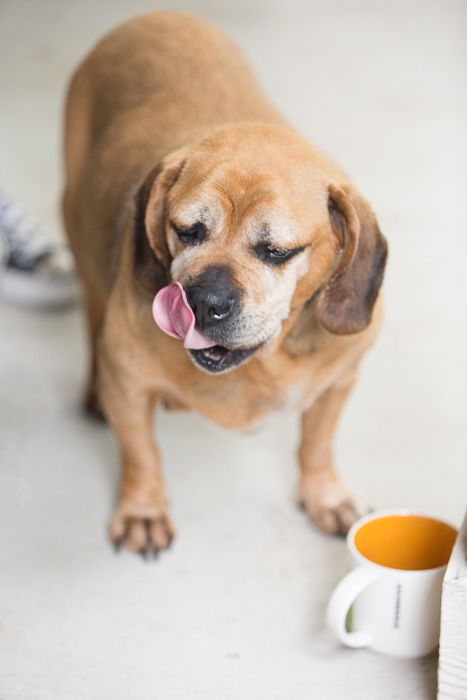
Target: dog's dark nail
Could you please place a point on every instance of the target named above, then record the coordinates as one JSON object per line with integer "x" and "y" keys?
{"x": 340, "y": 527}
{"x": 144, "y": 553}
{"x": 147, "y": 527}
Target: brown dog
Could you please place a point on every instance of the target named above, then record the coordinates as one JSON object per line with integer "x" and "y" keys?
{"x": 178, "y": 169}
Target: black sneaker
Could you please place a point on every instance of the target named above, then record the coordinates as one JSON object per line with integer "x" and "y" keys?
{"x": 33, "y": 272}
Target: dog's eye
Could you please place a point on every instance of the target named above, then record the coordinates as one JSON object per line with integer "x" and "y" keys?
{"x": 275, "y": 256}
{"x": 190, "y": 235}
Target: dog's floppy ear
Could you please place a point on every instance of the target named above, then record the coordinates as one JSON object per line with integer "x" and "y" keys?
{"x": 346, "y": 302}
{"x": 151, "y": 255}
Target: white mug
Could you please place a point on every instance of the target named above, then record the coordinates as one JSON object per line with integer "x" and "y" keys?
{"x": 391, "y": 599}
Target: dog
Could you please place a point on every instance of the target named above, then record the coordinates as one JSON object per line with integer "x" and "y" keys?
{"x": 178, "y": 169}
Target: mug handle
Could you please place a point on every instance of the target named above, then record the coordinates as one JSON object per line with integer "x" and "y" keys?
{"x": 341, "y": 600}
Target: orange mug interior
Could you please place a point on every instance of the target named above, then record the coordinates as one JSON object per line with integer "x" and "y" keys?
{"x": 406, "y": 541}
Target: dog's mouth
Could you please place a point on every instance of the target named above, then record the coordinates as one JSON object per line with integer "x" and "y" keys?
{"x": 217, "y": 358}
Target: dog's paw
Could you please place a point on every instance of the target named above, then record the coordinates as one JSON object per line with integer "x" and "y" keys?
{"x": 330, "y": 504}
{"x": 146, "y": 531}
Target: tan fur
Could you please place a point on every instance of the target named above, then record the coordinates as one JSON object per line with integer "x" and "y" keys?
{"x": 165, "y": 120}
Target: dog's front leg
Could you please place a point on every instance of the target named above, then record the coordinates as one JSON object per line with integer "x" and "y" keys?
{"x": 332, "y": 506}
{"x": 141, "y": 521}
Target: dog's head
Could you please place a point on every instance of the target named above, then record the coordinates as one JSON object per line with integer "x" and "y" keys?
{"x": 252, "y": 225}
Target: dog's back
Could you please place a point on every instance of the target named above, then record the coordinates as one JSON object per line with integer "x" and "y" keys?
{"x": 152, "y": 84}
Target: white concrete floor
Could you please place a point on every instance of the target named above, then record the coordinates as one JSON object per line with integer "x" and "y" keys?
{"x": 236, "y": 609}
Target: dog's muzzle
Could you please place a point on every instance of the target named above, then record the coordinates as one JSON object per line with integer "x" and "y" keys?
{"x": 216, "y": 304}
{"x": 215, "y": 300}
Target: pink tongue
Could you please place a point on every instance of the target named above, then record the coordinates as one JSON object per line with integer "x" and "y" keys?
{"x": 174, "y": 315}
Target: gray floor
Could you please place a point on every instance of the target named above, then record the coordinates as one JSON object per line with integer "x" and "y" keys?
{"x": 236, "y": 609}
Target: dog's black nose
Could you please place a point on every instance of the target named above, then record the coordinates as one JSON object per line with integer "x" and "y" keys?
{"x": 212, "y": 297}
{"x": 210, "y": 304}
